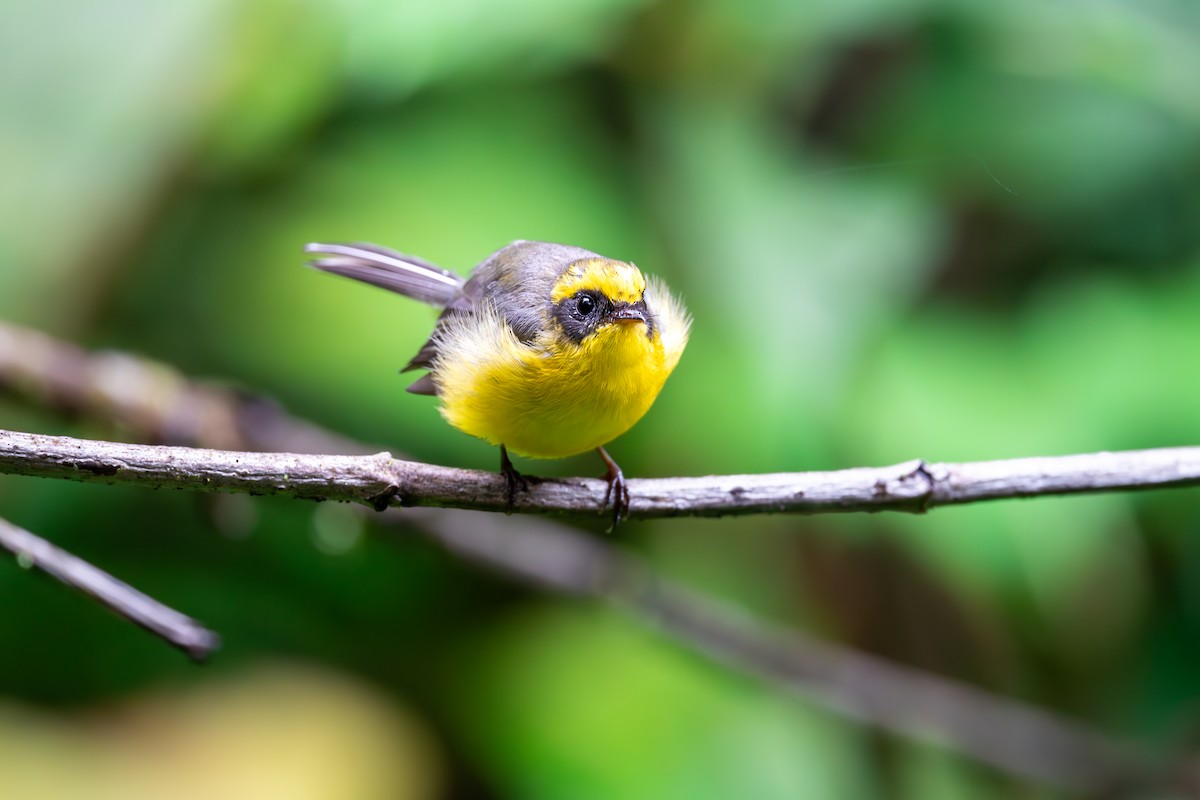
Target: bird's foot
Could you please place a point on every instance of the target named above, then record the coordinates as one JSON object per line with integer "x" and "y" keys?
{"x": 617, "y": 492}
{"x": 513, "y": 480}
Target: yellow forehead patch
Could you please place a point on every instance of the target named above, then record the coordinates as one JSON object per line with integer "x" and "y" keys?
{"x": 616, "y": 280}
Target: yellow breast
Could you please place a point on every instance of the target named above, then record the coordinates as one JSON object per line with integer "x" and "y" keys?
{"x": 553, "y": 399}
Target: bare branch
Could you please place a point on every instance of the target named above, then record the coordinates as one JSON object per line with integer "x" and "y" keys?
{"x": 379, "y": 480}
{"x": 179, "y": 630}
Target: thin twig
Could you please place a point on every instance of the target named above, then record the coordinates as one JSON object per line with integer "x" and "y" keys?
{"x": 177, "y": 629}
{"x": 379, "y": 480}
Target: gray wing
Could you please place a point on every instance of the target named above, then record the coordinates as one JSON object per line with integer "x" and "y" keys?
{"x": 407, "y": 275}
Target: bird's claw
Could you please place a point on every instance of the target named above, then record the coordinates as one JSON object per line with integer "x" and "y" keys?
{"x": 617, "y": 492}
{"x": 513, "y": 480}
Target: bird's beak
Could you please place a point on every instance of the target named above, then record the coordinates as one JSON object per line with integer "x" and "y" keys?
{"x": 629, "y": 312}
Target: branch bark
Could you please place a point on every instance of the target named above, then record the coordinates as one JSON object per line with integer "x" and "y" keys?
{"x": 380, "y": 480}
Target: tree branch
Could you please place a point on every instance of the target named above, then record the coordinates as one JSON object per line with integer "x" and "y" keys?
{"x": 179, "y": 630}
{"x": 379, "y": 480}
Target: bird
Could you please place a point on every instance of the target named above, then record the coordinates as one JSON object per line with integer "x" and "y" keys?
{"x": 547, "y": 350}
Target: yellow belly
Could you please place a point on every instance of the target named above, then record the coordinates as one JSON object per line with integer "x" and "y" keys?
{"x": 552, "y": 401}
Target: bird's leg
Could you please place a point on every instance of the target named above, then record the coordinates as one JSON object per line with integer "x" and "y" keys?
{"x": 618, "y": 489}
{"x": 513, "y": 480}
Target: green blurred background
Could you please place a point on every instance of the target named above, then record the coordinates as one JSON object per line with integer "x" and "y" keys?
{"x": 934, "y": 228}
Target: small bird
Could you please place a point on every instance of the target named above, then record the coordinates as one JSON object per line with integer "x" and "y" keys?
{"x": 547, "y": 350}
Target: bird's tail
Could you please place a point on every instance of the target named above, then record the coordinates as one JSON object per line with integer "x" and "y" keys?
{"x": 387, "y": 269}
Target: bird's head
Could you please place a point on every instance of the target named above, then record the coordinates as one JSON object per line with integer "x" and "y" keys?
{"x": 600, "y": 296}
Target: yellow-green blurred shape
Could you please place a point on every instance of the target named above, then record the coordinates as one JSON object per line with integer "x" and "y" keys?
{"x": 577, "y": 703}
{"x": 395, "y": 47}
{"x": 106, "y": 104}
{"x": 279, "y": 732}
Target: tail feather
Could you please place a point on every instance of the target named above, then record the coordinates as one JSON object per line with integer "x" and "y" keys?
{"x": 407, "y": 275}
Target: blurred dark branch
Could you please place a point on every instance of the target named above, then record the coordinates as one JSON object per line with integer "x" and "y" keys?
{"x": 1012, "y": 736}
{"x": 1015, "y": 737}
{"x": 148, "y": 401}
{"x": 179, "y": 630}
{"x": 380, "y": 480}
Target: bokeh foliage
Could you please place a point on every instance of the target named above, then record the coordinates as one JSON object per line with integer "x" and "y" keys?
{"x": 934, "y": 228}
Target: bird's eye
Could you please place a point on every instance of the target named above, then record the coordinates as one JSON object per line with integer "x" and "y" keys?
{"x": 586, "y": 304}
